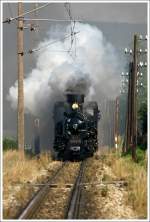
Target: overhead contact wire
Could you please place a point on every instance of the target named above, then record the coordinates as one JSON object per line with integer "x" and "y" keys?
{"x": 26, "y": 13}
{"x": 47, "y": 45}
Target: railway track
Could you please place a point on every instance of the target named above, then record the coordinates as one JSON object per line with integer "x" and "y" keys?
{"x": 69, "y": 193}
{"x": 43, "y": 200}
{"x": 34, "y": 203}
{"x": 75, "y": 198}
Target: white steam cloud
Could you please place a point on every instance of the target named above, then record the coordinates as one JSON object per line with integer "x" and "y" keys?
{"x": 96, "y": 63}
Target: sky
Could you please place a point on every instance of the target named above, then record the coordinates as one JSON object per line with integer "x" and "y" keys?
{"x": 118, "y": 22}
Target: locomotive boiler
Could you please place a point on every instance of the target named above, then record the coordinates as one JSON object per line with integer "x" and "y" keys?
{"x": 76, "y": 127}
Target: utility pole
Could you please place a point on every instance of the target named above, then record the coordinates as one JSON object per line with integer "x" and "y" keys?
{"x": 20, "y": 126}
{"x": 129, "y": 111}
{"x": 133, "y": 81}
{"x": 134, "y": 101}
{"x": 131, "y": 119}
{"x": 116, "y": 121}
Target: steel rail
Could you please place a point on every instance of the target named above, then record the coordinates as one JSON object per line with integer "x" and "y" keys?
{"x": 74, "y": 202}
{"x": 35, "y": 202}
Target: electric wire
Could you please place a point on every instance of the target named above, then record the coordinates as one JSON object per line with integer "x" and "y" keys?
{"x": 50, "y": 43}
{"x": 72, "y": 34}
{"x": 51, "y": 20}
{"x": 8, "y": 20}
{"x": 67, "y": 7}
{"x": 10, "y": 11}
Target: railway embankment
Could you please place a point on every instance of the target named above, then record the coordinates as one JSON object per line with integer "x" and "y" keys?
{"x": 116, "y": 188}
{"x": 21, "y": 178}
{"x": 112, "y": 186}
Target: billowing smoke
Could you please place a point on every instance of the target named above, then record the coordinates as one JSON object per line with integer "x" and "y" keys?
{"x": 93, "y": 65}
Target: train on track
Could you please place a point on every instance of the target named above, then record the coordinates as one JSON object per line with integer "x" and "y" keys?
{"x": 76, "y": 127}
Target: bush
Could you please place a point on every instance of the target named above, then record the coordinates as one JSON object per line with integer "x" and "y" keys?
{"x": 140, "y": 155}
{"x": 9, "y": 143}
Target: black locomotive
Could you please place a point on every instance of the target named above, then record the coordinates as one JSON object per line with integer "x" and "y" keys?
{"x": 75, "y": 127}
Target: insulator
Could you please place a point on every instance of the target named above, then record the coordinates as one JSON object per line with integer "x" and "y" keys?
{"x": 30, "y": 51}
{"x": 8, "y": 20}
{"x": 126, "y": 50}
{"x": 140, "y": 64}
{"x": 140, "y": 50}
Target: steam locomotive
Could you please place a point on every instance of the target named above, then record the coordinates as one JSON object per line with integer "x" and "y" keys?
{"x": 76, "y": 126}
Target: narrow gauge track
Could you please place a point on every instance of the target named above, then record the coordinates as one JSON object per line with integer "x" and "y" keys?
{"x": 34, "y": 203}
{"x": 75, "y": 198}
{"x": 35, "y": 208}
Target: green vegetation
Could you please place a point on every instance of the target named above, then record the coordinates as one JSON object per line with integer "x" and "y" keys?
{"x": 142, "y": 118}
{"x": 9, "y": 144}
{"x": 141, "y": 111}
{"x": 135, "y": 174}
{"x": 140, "y": 155}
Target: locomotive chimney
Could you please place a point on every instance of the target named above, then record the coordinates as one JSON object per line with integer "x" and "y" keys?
{"x": 75, "y": 98}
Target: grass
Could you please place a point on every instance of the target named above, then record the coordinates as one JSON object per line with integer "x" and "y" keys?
{"x": 16, "y": 169}
{"x": 104, "y": 191}
{"x": 17, "y": 173}
{"x": 136, "y": 176}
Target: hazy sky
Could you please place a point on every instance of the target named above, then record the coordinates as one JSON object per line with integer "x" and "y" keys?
{"x": 118, "y": 22}
{"x": 101, "y": 12}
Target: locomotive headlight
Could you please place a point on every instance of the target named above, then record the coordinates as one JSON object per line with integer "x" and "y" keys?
{"x": 75, "y": 106}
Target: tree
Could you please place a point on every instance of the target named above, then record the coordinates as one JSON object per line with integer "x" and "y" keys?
{"x": 9, "y": 143}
